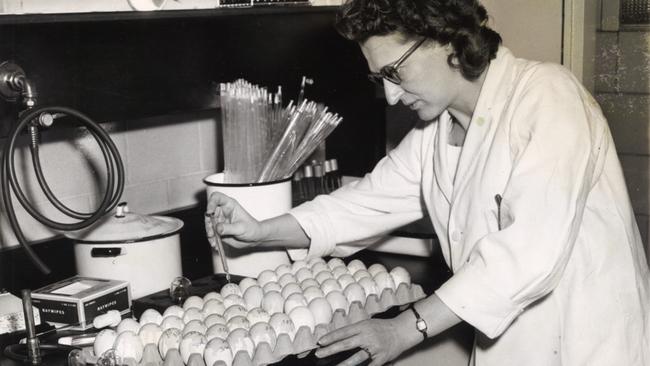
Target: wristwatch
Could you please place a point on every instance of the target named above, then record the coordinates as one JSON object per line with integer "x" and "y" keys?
{"x": 420, "y": 324}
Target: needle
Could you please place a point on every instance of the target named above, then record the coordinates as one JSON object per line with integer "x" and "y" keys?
{"x": 219, "y": 246}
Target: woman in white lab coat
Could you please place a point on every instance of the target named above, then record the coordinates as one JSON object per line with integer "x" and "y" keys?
{"x": 518, "y": 172}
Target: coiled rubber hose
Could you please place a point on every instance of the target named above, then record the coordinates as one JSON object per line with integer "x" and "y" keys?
{"x": 114, "y": 178}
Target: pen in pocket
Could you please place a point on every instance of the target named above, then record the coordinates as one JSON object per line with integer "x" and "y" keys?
{"x": 498, "y": 199}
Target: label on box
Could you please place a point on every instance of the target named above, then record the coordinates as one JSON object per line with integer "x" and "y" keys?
{"x": 118, "y": 300}
{"x": 57, "y": 311}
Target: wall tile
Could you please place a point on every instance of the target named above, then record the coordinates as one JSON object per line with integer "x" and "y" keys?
{"x": 634, "y": 68}
{"x": 188, "y": 190}
{"x": 629, "y": 119}
{"x": 210, "y": 144}
{"x": 637, "y": 170}
{"x": 606, "y": 62}
{"x": 147, "y": 198}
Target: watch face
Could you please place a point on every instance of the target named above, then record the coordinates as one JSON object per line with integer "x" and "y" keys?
{"x": 421, "y": 325}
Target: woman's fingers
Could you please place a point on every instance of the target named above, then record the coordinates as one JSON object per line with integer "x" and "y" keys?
{"x": 340, "y": 340}
{"x": 339, "y": 334}
{"x": 355, "y": 359}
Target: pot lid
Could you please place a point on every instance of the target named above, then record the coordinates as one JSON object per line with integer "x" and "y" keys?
{"x": 126, "y": 226}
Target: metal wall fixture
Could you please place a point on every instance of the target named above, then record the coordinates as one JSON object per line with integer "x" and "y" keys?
{"x": 635, "y": 14}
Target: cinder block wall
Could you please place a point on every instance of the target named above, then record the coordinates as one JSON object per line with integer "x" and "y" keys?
{"x": 623, "y": 90}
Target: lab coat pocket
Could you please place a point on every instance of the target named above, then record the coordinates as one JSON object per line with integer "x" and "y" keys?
{"x": 499, "y": 217}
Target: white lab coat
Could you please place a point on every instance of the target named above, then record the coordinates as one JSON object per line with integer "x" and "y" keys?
{"x": 562, "y": 279}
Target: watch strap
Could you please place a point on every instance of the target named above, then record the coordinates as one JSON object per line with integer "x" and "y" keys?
{"x": 420, "y": 324}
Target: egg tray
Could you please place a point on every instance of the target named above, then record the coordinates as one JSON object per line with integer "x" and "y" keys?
{"x": 304, "y": 339}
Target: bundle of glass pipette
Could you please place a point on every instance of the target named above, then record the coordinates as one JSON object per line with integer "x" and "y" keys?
{"x": 264, "y": 142}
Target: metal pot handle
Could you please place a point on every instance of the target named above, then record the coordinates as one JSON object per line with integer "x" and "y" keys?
{"x": 104, "y": 252}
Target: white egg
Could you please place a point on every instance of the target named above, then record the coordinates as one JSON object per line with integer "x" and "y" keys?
{"x": 313, "y": 260}
{"x": 192, "y": 314}
{"x": 292, "y": 288}
{"x": 237, "y": 322}
{"x": 283, "y": 269}
{"x": 174, "y": 310}
{"x": 192, "y": 343}
{"x": 194, "y": 326}
{"x": 128, "y": 345}
{"x": 170, "y": 339}
{"x": 151, "y": 316}
{"x": 369, "y": 286}
{"x": 302, "y": 316}
{"x": 253, "y": 296}
{"x": 354, "y": 292}
{"x": 286, "y": 279}
{"x": 246, "y": 283}
{"x": 172, "y": 322}
{"x": 272, "y": 286}
{"x": 345, "y": 280}
{"x": 313, "y": 293}
{"x": 128, "y": 324}
{"x": 376, "y": 268}
{"x": 310, "y": 282}
{"x": 319, "y": 267}
{"x": 335, "y": 262}
{"x": 193, "y": 302}
{"x": 400, "y": 275}
{"x": 338, "y": 301}
{"x": 322, "y": 310}
{"x": 230, "y": 289}
{"x": 239, "y": 340}
{"x": 233, "y": 299}
{"x": 212, "y": 295}
{"x": 258, "y": 315}
{"x": 213, "y": 306}
{"x": 150, "y": 333}
{"x": 282, "y": 324}
{"x": 217, "y": 331}
{"x": 213, "y": 319}
{"x": 293, "y": 301}
{"x": 384, "y": 280}
{"x": 304, "y": 274}
{"x": 233, "y": 311}
{"x": 216, "y": 350}
{"x": 297, "y": 265}
{"x": 104, "y": 341}
{"x": 266, "y": 276}
{"x": 330, "y": 285}
{"x": 263, "y": 332}
{"x": 356, "y": 265}
{"x": 323, "y": 276}
{"x": 358, "y": 275}
{"x": 340, "y": 271}
{"x": 273, "y": 302}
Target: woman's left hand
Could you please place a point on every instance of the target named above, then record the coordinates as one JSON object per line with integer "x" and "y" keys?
{"x": 380, "y": 340}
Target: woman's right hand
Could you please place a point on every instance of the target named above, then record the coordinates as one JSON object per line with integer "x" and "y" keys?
{"x": 236, "y": 226}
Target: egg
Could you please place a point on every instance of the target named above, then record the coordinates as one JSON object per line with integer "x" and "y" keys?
{"x": 266, "y": 276}
{"x": 213, "y": 306}
{"x": 400, "y": 275}
{"x": 194, "y": 326}
{"x": 239, "y": 340}
{"x": 335, "y": 262}
{"x": 174, "y": 310}
{"x": 338, "y": 301}
{"x": 233, "y": 299}
{"x": 376, "y": 268}
{"x": 313, "y": 260}
{"x": 293, "y": 301}
{"x": 213, "y": 319}
{"x": 292, "y": 288}
{"x": 286, "y": 279}
{"x": 217, "y": 331}
{"x": 302, "y": 316}
{"x": 320, "y": 267}
{"x": 358, "y": 275}
{"x": 216, "y": 350}
{"x": 273, "y": 302}
{"x": 272, "y": 286}
{"x": 246, "y": 283}
{"x": 369, "y": 286}
{"x": 323, "y": 276}
{"x": 313, "y": 293}
{"x": 263, "y": 332}
{"x": 169, "y": 339}
{"x": 128, "y": 324}
{"x": 384, "y": 281}
{"x": 128, "y": 345}
{"x": 212, "y": 295}
{"x": 340, "y": 271}
{"x": 237, "y": 322}
{"x": 297, "y": 265}
{"x": 172, "y": 322}
{"x": 233, "y": 311}
{"x": 150, "y": 333}
{"x": 321, "y": 310}
{"x": 193, "y": 302}
{"x": 354, "y": 292}
{"x": 330, "y": 285}
{"x": 230, "y": 289}
{"x": 150, "y": 316}
{"x": 282, "y": 324}
{"x": 257, "y": 315}
{"x": 192, "y": 314}
{"x": 192, "y": 343}
{"x": 310, "y": 282}
{"x": 303, "y": 274}
{"x": 356, "y": 265}
{"x": 345, "y": 280}
{"x": 253, "y": 297}
{"x": 283, "y": 269}
{"x": 104, "y": 341}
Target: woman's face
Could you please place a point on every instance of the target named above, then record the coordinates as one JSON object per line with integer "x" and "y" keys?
{"x": 429, "y": 85}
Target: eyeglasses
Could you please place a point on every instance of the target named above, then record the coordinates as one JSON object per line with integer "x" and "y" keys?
{"x": 390, "y": 72}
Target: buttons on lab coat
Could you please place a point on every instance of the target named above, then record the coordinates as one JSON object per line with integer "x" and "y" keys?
{"x": 456, "y": 236}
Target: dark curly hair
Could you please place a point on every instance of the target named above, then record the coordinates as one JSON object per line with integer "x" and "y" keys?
{"x": 460, "y": 23}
